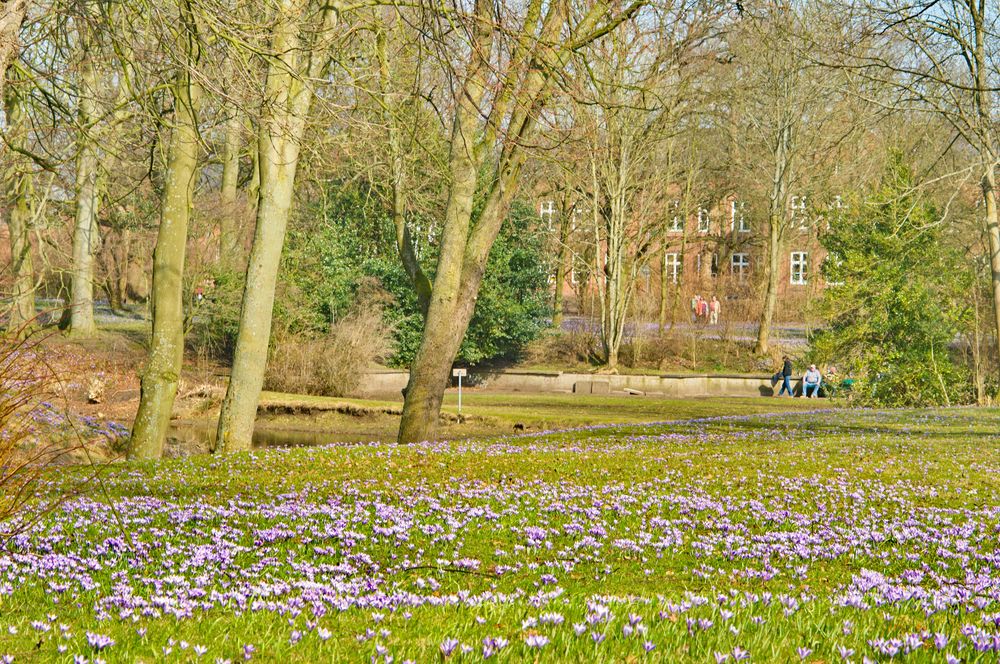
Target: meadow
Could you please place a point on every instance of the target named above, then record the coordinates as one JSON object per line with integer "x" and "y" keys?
{"x": 817, "y": 536}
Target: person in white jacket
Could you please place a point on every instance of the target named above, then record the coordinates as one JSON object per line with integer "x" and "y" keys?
{"x": 811, "y": 382}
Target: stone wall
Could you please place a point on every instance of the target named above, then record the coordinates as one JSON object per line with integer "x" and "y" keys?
{"x": 666, "y": 385}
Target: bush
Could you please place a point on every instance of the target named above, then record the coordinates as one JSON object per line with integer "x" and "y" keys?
{"x": 569, "y": 347}
{"x": 35, "y": 434}
{"x": 327, "y": 263}
{"x": 331, "y": 364}
{"x": 898, "y": 303}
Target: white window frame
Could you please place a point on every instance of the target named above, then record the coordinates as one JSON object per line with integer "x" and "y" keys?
{"x": 672, "y": 266}
{"x": 547, "y": 212}
{"x": 676, "y": 222}
{"x": 739, "y": 265}
{"x": 798, "y": 274}
{"x": 800, "y": 215}
{"x": 738, "y": 221}
{"x": 704, "y": 220}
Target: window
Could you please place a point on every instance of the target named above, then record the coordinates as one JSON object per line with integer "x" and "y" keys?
{"x": 799, "y": 268}
{"x": 738, "y": 217}
{"x": 703, "y": 220}
{"x": 799, "y": 216}
{"x": 676, "y": 224}
{"x": 714, "y": 265}
{"x": 547, "y": 212}
{"x": 672, "y": 267}
{"x": 740, "y": 265}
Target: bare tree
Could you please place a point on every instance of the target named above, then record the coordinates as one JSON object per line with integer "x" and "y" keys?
{"x": 630, "y": 109}
{"x": 495, "y": 114}
{"x": 783, "y": 110}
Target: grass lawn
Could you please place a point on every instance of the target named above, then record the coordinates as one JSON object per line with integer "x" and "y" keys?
{"x": 824, "y": 536}
{"x": 491, "y": 413}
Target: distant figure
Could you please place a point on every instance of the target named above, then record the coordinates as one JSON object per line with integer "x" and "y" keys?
{"x": 702, "y": 308}
{"x": 786, "y": 377}
{"x": 811, "y": 382}
{"x": 695, "y": 306}
{"x": 713, "y": 311}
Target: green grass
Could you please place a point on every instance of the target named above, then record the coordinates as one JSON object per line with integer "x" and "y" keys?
{"x": 762, "y": 525}
{"x": 491, "y": 413}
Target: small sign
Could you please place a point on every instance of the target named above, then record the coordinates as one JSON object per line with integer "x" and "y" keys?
{"x": 458, "y": 373}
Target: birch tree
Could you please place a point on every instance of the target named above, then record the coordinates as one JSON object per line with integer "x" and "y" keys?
{"x": 633, "y": 91}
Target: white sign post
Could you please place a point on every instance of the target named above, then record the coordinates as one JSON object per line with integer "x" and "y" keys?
{"x": 458, "y": 373}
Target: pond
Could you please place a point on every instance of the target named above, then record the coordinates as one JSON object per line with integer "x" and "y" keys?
{"x": 197, "y": 436}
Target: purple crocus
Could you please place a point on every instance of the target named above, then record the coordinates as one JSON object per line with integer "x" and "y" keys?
{"x": 448, "y": 646}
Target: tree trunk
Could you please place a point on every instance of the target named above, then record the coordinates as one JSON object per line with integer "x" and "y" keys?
{"x": 465, "y": 247}
{"x": 166, "y": 354}
{"x": 565, "y": 221}
{"x": 777, "y": 214}
{"x": 771, "y": 291}
{"x": 84, "y": 235}
{"x": 993, "y": 234}
{"x": 429, "y": 371}
{"x": 229, "y": 245}
{"x": 12, "y": 13}
{"x": 23, "y": 309}
{"x": 282, "y": 124}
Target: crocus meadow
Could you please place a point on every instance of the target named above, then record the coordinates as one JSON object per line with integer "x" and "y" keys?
{"x": 833, "y": 536}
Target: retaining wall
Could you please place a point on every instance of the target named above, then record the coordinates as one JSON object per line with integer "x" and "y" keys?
{"x": 667, "y": 385}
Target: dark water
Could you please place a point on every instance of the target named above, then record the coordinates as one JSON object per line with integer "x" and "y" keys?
{"x": 198, "y": 436}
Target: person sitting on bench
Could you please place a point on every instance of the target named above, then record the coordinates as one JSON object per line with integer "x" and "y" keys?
{"x": 811, "y": 382}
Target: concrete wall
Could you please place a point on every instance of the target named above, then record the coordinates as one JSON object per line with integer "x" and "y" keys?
{"x": 667, "y": 385}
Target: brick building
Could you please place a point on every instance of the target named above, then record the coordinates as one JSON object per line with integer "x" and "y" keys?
{"x": 715, "y": 249}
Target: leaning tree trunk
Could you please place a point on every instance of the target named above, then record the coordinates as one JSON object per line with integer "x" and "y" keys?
{"x": 82, "y": 295}
{"x": 166, "y": 354}
{"x": 446, "y": 318}
{"x": 282, "y": 124}
{"x": 465, "y": 246}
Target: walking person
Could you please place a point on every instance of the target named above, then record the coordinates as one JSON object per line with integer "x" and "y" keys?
{"x": 811, "y": 382}
{"x": 713, "y": 311}
{"x": 695, "y": 306}
{"x": 786, "y": 377}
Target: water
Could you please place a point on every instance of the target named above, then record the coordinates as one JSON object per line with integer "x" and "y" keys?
{"x": 196, "y": 437}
